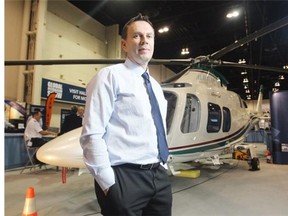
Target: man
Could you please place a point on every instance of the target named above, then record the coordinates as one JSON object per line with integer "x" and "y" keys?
{"x": 119, "y": 138}
{"x": 71, "y": 121}
{"x": 30, "y": 117}
{"x": 80, "y": 112}
{"x": 33, "y": 132}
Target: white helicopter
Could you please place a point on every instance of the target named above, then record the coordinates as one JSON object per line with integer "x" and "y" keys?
{"x": 203, "y": 120}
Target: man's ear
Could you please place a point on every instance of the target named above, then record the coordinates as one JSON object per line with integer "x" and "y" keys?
{"x": 123, "y": 45}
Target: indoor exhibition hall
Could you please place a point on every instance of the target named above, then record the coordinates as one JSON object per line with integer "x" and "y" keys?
{"x": 145, "y": 108}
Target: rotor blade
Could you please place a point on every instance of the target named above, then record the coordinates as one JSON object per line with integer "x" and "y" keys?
{"x": 63, "y": 61}
{"x": 93, "y": 61}
{"x": 254, "y": 67}
{"x": 176, "y": 76}
{"x": 266, "y": 30}
{"x": 172, "y": 61}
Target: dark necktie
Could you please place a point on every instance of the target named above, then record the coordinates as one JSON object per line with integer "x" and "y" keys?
{"x": 161, "y": 138}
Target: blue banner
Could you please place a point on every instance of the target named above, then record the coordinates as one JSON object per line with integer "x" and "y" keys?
{"x": 65, "y": 92}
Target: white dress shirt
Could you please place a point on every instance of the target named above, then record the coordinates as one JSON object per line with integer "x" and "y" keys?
{"x": 32, "y": 130}
{"x": 118, "y": 126}
{"x": 40, "y": 121}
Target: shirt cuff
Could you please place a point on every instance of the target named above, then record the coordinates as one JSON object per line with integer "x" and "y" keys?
{"x": 105, "y": 178}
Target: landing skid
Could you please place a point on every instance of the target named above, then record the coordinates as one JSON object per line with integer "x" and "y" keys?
{"x": 213, "y": 162}
{"x": 171, "y": 170}
{"x": 183, "y": 170}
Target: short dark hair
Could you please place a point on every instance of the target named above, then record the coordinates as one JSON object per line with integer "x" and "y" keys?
{"x": 74, "y": 109}
{"x": 139, "y": 17}
{"x": 36, "y": 112}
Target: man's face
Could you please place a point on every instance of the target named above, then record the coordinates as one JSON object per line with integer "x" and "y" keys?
{"x": 139, "y": 44}
{"x": 38, "y": 116}
{"x": 81, "y": 112}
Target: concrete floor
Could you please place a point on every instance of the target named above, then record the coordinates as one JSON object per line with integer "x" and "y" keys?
{"x": 230, "y": 190}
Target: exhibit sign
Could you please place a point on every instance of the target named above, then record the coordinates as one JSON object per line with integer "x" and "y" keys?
{"x": 64, "y": 92}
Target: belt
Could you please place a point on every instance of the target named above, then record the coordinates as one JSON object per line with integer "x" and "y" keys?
{"x": 141, "y": 166}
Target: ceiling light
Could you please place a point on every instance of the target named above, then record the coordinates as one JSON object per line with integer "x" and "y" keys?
{"x": 285, "y": 67}
{"x": 242, "y": 61}
{"x": 281, "y": 77}
{"x": 185, "y": 51}
{"x": 277, "y": 84}
{"x": 245, "y": 80}
{"x": 232, "y": 14}
{"x": 163, "y": 30}
{"x": 244, "y": 72}
{"x": 275, "y": 89}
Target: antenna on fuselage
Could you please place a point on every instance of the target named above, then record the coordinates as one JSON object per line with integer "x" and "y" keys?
{"x": 259, "y": 102}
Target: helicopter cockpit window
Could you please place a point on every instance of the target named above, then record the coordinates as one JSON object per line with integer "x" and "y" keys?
{"x": 171, "y": 100}
{"x": 191, "y": 117}
{"x": 226, "y": 119}
{"x": 214, "y": 118}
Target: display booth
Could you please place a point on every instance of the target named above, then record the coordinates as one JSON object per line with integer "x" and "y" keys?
{"x": 14, "y": 147}
{"x": 279, "y": 129}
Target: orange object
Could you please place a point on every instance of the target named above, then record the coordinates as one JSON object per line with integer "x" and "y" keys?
{"x": 48, "y": 107}
{"x": 30, "y": 205}
{"x": 64, "y": 172}
{"x": 240, "y": 155}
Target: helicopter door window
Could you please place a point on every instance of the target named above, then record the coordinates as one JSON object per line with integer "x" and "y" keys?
{"x": 226, "y": 119}
{"x": 214, "y": 118}
{"x": 191, "y": 117}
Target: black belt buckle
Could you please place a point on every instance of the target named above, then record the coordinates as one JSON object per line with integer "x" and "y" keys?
{"x": 149, "y": 166}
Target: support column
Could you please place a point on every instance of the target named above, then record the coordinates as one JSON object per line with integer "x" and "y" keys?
{"x": 23, "y": 51}
{"x": 40, "y": 40}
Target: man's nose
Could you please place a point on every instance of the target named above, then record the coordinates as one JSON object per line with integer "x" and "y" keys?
{"x": 143, "y": 40}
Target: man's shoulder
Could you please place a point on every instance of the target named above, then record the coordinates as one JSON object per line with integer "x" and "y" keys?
{"x": 68, "y": 117}
{"x": 105, "y": 73}
{"x": 119, "y": 65}
{"x": 72, "y": 116}
{"x": 32, "y": 121}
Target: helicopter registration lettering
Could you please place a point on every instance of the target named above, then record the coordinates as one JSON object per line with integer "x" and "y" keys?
{"x": 206, "y": 78}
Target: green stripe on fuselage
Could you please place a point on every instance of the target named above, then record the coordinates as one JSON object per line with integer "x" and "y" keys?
{"x": 206, "y": 147}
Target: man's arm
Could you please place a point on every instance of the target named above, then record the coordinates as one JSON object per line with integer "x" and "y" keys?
{"x": 46, "y": 132}
{"x": 98, "y": 111}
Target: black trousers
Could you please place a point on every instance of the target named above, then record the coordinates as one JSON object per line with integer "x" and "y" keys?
{"x": 137, "y": 192}
{"x": 37, "y": 142}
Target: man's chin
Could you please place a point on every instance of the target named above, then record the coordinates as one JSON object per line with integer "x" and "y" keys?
{"x": 145, "y": 59}
{"x": 141, "y": 60}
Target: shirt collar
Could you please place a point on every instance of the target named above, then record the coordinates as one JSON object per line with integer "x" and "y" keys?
{"x": 135, "y": 67}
